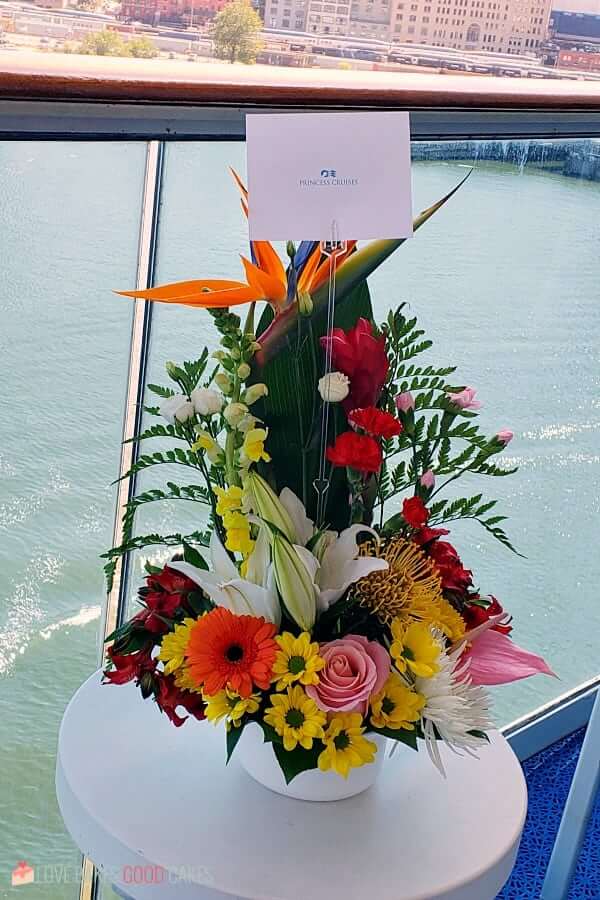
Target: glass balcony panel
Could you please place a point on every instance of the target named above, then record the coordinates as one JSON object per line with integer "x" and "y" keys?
{"x": 504, "y": 280}
{"x": 70, "y": 214}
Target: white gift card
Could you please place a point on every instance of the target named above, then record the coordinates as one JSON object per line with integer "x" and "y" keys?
{"x": 307, "y": 171}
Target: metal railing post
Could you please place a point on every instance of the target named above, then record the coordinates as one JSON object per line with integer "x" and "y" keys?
{"x": 116, "y": 601}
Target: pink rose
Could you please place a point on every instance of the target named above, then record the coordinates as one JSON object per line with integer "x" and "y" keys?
{"x": 504, "y": 436}
{"x": 428, "y": 479}
{"x": 354, "y": 669}
{"x": 465, "y": 399}
{"x": 405, "y": 402}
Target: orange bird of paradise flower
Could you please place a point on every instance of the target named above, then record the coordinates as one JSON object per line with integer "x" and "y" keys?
{"x": 266, "y": 277}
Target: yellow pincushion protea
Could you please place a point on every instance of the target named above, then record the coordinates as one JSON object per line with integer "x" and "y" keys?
{"x": 409, "y": 590}
{"x": 230, "y": 706}
{"x": 396, "y": 705}
{"x": 345, "y": 746}
{"x": 298, "y": 660}
{"x": 415, "y": 649}
{"x": 296, "y": 718}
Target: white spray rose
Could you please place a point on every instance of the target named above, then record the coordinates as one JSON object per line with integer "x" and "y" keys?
{"x": 206, "y": 401}
{"x": 334, "y": 387}
{"x": 177, "y": 407}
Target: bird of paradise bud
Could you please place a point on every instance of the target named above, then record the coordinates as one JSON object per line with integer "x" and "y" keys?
{"x": 268, "y": 279}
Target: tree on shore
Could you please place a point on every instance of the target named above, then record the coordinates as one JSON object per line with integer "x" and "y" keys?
{"x": 110, "y": 43}
{"x": 236, "y": 32}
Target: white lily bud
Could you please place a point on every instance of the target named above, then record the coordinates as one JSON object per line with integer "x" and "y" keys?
{"x": 267, "y": 504}
{"x": 254, "y": 393}
{"x": 334, "y": 387}
{"x": 206, "y": 401}
{"x": 294, "y": 581}
{"x": 177, "y": 407}
{"x": 234, "y": 413}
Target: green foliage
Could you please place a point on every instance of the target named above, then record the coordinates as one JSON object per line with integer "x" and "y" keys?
{"x": 438, "y": 436}
{"x": 402, "y": 735}
{"x": 194, "y": 492}
{"x": 233, "y": 736}
{"x": 149, "y": 540}
{"x": 111, "y": 43}
{"x": 293, "y": 408}
{"x": 236, "y": 32}
{"x": 142, "y": 47}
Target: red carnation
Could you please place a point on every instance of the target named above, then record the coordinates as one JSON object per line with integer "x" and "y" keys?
{"x": 169, "y": 697}
{"x": 415, "y": 512}
{"x": 358, "y": 451}
{"x": 375, "y": 422}
{"x": 475, "y": 615}
{"x": 452, "y": 572}
{"x": 425, "y": 535}
{"x": 361, "y": 356}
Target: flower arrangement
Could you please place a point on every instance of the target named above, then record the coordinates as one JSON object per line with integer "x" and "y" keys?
{"x": 324, "y": 602}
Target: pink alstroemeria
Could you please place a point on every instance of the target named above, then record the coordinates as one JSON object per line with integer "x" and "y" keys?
{"x": 465, "y": 399}
{"x": 495, "y": 659}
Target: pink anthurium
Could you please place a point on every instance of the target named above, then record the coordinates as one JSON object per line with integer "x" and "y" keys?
{"x": 495, "y": 659}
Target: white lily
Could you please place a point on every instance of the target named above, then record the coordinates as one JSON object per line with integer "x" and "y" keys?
{"x": 341, "y": 565}
{"x": 334, "y": 563}
{"x": 224, "y": 586}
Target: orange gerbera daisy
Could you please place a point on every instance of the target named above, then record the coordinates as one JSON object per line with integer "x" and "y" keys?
{"x": 225, "y": 650}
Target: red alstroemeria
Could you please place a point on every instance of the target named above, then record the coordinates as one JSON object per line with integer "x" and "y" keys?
{"x": 361, "y": 356}
{"x": 415, "y": 512}
{"x": 375, "y": 422}
{"x": 128, "y": 666}
{"x": 448, "y": 563}
{"x": 171, "y": 581}
{"x": 358, "y": 451}
{"x": 169, "y": 697}
{"x": 164, "y": 593}
{"x": 475, "y": 615}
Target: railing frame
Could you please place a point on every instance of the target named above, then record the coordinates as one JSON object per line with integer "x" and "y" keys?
{"x": 157, "y": 124}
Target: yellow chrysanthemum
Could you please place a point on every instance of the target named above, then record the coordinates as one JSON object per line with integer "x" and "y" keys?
{"x": 229, "y": 499}
{"x": 296, "y": 718}
{"x": 415, "y": 648}
{"x": 396, "y": 705}
{"x": 448, "y": 620}
{"x": 184, "y": 680}
{"x": 297, "y": 660}
{"x": 253, "y": 447}
{"x": 230, "y": 706}
{"x": 173, "y": 646}
{"x": 345, "y": 746}
{"x": 237, "y": 527}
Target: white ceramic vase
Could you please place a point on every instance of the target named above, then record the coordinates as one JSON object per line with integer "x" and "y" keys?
{"x": 260, "y": 762}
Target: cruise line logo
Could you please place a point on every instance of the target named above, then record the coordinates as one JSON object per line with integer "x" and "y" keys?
{"x": 328, "y": 178}
{"x": 22, "y": 874}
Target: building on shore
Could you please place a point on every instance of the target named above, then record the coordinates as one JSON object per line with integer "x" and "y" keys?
{"x": 500, "y": 26}
{"x": 183, "y": 12}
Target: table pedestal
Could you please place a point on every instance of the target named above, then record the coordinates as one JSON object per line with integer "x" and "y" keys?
{"x": 159, "y": 813}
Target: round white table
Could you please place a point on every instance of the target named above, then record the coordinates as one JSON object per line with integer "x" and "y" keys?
{"x": 157, "y": 811}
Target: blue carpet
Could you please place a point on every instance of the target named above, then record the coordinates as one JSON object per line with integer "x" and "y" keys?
{"x": 549, "y": 775}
